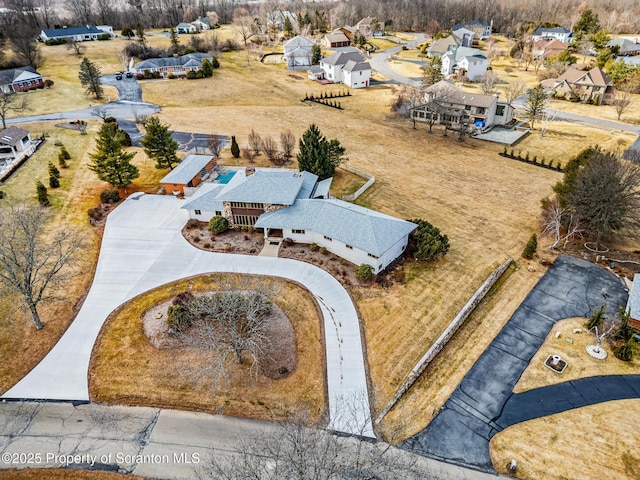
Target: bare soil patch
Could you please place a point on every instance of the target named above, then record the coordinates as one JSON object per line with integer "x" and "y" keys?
{"x": 232, "y": 241}
{"x": 279, "y": 362}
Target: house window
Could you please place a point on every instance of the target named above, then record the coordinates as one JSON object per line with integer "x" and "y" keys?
{"x": 500, "y": 110}
{"x": 480, "y": 110}
{"x": 198, "y": 212}
{"x": 467, "y": 107}
{"x": 349, "y": 247}
{"x": 372, "y": 255}
{"x": 328, "y": 238}
{"x": 219, "y": 214}
{"x": 299, "y": 232}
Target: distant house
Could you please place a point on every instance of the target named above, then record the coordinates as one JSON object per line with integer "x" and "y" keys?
{"x": 201, "y": 24}
{"x": 188, "y": 173}
{"x": 78, "y": 34}
{"x": 350, "y": 32}
{"x": 335, "y": 39}
{"x": 277, "y": 18}
{"x": 626, "y": 47}
{"x": 295, "y": 205}
{"x": 350, "y": 68}
{"x": 559, "y": 33}
{"x": 20, "y": 79}
{"x": 298, "y": 52}
{"x": 481, "y": 28}
{"x": 186, "y": 28}
{"x": 593, "y": 86}
{"x": 368, "y": 26}
{"x": 633, "y": 305}
{"x": 178, "y": 66}
{"x": 464, "y": 61}
{"x": 464, "y": 36}
{"x": 547, "y": 48}
{"x": 442, "y": 45}
{"x": 15, "y": 144}
{"x": 446, "y": 104}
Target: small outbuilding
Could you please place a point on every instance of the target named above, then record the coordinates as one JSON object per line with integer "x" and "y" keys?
{"x": 189, "y": 173}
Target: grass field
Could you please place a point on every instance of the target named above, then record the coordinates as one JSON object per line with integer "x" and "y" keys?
{"x": 126, "y": 368}
{"x": 486, "y": 204}
{"x": 62, "y": 474}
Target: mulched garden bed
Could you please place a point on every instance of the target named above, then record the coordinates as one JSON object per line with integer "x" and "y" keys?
{"x": 232, "y": 241}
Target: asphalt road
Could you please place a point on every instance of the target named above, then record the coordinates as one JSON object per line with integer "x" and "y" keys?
{"x": 380, "y": 59}
{"x": 473, "y": 414}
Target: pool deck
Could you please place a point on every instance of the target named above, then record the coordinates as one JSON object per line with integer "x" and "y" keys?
{"x": 502, "y": 135}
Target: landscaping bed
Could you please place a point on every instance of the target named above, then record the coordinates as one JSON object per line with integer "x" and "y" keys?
{"x": 231, "y": 241}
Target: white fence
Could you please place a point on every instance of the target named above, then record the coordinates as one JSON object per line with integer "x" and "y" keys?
{"x": 361, "y": 173}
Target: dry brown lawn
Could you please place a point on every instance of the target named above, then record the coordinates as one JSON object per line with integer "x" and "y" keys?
{"x": 126, "y": 368}
{"x": 599, "y": 441}
{"x": 62, "y": 474}
{"x": 579, "y": 363}
{"x": 630, "y": 115}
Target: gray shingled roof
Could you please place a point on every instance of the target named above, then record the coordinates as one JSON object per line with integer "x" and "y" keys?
{"x": 359, "y": 227}
{"x": 322, "y": 188}
{"x": 541, "y": 30}
{"x": 633, "y": 305}
{"x": 352, "y": 66}
{"x": 341, "y": 58}
{"x": 69, "y": 31}
{"x": 187, "y": 169}
{"x": 309, "y": 181}
{"x": 12, "y": 136}
{"x": 298, "y": 41}
{"x": 189, "y": 60}
{"x": 205, "y": 198}
{"x": 276, "y": 188}
{"x": 12, "y": 74}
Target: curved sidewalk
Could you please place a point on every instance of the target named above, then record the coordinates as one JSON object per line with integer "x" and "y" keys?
{"x": 143, "y": 248}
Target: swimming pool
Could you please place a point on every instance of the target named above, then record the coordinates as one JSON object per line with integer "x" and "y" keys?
{"x": 225, "y": 177}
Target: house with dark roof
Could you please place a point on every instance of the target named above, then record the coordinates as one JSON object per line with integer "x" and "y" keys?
{"x": 442, "y": 45}
{"x": 77, "y": 34}
{"x": 335, "y": 39}
{"x": 178, "y": 66}
{"x": 350, "y": 68}
{"x": 15, "y": 145}
{"x": 626, "y": 46}
{"x": 464, "y": 61}
{"x": 188, "y": 173}
{"x": 20, "y": 79}
{"x": 295, "y": 205}
{"x": 593, "y": 86}
{"x": 298, "y": 52}
{"x": 562, "y": 34}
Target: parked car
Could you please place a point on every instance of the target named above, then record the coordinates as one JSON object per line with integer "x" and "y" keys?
{"x": 119, "y": 76}
{"x": 129, "y": 74}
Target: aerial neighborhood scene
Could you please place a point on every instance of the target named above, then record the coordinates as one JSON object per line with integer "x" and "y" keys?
{"x": 319, "y": 239}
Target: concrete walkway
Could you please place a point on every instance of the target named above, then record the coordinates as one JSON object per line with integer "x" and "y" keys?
{"x": 150, "y": 442}
{"x": 460, "y": 433}
{"x": 143, "y": 248}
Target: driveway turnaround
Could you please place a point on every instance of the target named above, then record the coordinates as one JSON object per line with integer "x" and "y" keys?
{"x": 460, "y": 433}
{"x": 149, "y": 442}
{"x": 143, "y": 248}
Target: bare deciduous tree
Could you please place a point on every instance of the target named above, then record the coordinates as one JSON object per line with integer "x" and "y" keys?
{"x": 12, "y": 102}
{"x": 513, "y": 90}
{"x": 215, "y": 144}
{"x": 270, "y": 147}
{"x": 34, "y": 258}
{"x": 75, "y": 46}
{"x": 244, "y": 27}
{"x": 249, "y": 154}
{"x": 560, "y": 223}
{"x": 255, "y": 142}
{"x": 622, "y": 99}
{"x": 488, "y": 82}
{"x": 287, "y": 142}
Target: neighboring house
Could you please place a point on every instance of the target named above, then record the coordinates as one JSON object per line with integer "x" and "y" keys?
{"x": 298, "y": 52}
{"x": 633, "y": 152}
{"x": 358, "y": 71}
{"x": 593, "y": 86}
{"x": 550, "y": 47}
{"x": 633, "y": 305}
{"x": 278, "y": 18}
{"x": 367, "y": 26}
{"x": 335, "y": 39}
{"x": 442, "y": 45}
{"x": 464, "y": 35}
{"x": 632, "y": 61}
{"x": 464, "y": 61}
{"x": 625, "y": 46}
{"x": 78, "y": 34}
{"x": 481, "y": 28}
{"x": 107, "y": 29}
{"x": 201, "y": 24}
{"x": 20, "y": 79}
{"x": 559, "y": 33}
{"x": 350, "y": 32}
{"x": 186, "y": 28}
{"x": 15, "y": 144}
{"x": 448, "y": 105}
{"x": 178, "y": 66}
{"x": 188, "y": 173}
{"x": 294, "y": 205}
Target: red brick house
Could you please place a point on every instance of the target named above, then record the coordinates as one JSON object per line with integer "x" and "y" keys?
{"x": 20, "y": 79}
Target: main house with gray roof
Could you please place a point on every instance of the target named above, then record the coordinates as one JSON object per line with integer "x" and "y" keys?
{"x": 350, "y": 68}
{"x": 77, "y": 34}
{"x": 295, "y": 205}
{"x": 178, "y": 66}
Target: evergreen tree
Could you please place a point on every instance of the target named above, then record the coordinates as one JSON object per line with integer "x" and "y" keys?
{"x": 159, "y": 145}
{"x": 61, "y": 161}
{"x": 43, "y": 197}
{"x": 53, "y": 181}
{"x": 535, "y": 104}
{"x": 432, "y": 71}
{"x": 140, "y": 35}
{"x": 530, "y": 248}
{"x": 430, "y": 242}
{"x": 53, "y": 171}
{"x": 318, "y": 155}
{"x": 175, "y": 41}
{"x": 90, "y": 78}
{"x": 588, "y": 24}
{"x": 288, "y": 28}
{"x": 128, "y": 32}
{"x": 110, "y": 163}
{"x": 65, "y": 153}
{"x": 235, "y": 149}
{"x": 316, "y": 54}
{"x": 207, "y": 68}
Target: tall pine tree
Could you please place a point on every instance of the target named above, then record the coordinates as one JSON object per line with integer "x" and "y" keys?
{"x": 110, "y": 163}
{"x": 90, "y": 78}
{"x": 318, "y": 155}
{"x": 159, "y": 145}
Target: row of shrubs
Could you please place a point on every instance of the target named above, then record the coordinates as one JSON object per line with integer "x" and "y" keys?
{"x": 324, "y": 95}
{"x": 533, "y": 161}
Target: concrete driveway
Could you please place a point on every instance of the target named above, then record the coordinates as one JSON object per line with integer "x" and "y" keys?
{"x": 461, "y": 432}
{"x": 143, "y": 248}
